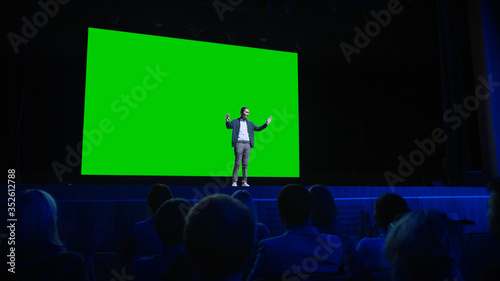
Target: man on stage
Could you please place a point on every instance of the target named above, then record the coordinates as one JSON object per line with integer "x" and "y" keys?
{"x": 242, "y": 141}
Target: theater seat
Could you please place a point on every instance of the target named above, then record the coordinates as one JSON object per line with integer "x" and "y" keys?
{"x": 60, "y": 266}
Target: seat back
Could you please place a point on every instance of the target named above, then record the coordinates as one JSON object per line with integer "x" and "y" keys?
{"x": 60, "y": 266}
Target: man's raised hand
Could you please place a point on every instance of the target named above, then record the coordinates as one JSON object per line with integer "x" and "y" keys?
{"x": 227, "y": 117}
{"x": 269, "y": 120}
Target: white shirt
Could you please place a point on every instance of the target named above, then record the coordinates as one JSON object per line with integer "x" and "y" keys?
{"x": 243, "y": 135}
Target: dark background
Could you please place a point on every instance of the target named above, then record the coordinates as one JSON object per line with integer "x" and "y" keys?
{"x": 355, "y": 118}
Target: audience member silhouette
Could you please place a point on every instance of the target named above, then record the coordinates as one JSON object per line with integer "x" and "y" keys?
{"x": 490, "y": 270}
{"x": 425, "y": 245}
{"x": 324, "y": 211}
{"x": 261, "y": 230}
{"x": 40, "y": 254}
{"x": 494, "y": 207}
{"x": 146, "y": 239}
{"x": 301, "y": 252}
{"x": 219, "y": 236}
{"x": 169, "y": 224}
{"x": 388, "y": 207}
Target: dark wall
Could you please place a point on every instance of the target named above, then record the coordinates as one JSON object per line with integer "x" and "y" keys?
{"x": 356, "y": 118}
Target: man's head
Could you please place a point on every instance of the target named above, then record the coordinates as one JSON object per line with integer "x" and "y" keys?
{"x": 324, "y": 210}
{"x": 389, "y": 207}
{"x": 494, "y": 207}
{"x": 294, "y": 203}
{"x": 244, "y": 112}
{"x": 158, "y": 194}
{"x": 218, "y": 236}
{"x": 169, "y": 221}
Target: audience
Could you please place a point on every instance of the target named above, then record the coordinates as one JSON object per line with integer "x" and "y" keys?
{"x": 425, "y": 245}
{"x": 169, "y": 224}
{"x": 146, "y": 239}
{"x": 40, "y": 254}
{"x": 324, "y": 211}
{"x": 219, "y": 236}
{"x": 301, "y": 252}
{"x": 222, "y": 240}
{"x": 261, "y": 230}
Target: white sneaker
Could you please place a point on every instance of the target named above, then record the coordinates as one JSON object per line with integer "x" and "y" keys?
{"x": 234, "y": 184}
{"x": 245, "y": 184}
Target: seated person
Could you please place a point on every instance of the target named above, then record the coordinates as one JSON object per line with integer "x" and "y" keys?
{"x": 490, "y": 267}
{"x": 301, "y": 252}
{"x": 425, "y": 245}
{"x": 218, "y": 237}
{"x": 40, "y": 254}
{"x": 494, "y": 207}
{"x": 387, "y": 209}
{"x": 169, "y": 225}
{"x": 261, "y": 230}
{"x": 324, "y": 211}
{"x": 146, "y": 239}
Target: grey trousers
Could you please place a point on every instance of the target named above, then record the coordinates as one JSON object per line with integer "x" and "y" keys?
{"x": 241, "y": 155}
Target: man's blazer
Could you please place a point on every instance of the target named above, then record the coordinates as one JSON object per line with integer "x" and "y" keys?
{"x": 235, "y": 125}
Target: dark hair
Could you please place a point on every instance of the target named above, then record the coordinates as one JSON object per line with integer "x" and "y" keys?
{"x": 169, "y": 221}
{"x": 425, "y": 245}
{"x": 158, "y": 194}
{"x": 388, "y": 208}
{"x": 218, "y": 236}
{"x": 246, "y": 198}
{"x": 294, "y": 203}
{"x": 324, "y": 210}
{"x": 243, "y": 109}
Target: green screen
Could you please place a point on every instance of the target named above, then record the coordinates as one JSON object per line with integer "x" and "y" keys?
{"x": 156, "y": 106}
